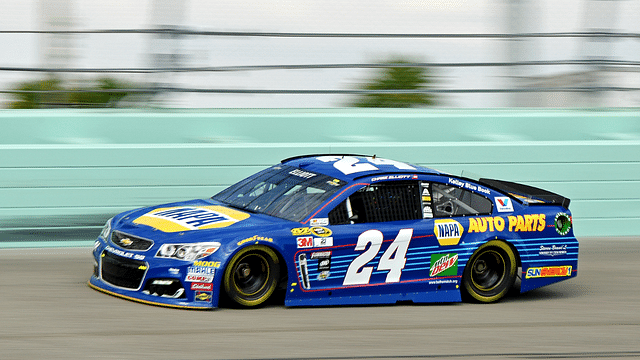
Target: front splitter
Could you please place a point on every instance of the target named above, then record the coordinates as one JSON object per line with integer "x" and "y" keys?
{"x": 94, "y": 284}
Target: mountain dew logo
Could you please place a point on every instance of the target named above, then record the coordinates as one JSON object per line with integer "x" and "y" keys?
{"x": 444, "y": 265}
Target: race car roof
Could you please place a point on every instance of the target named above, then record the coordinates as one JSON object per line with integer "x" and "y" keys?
{"x": 351, "y": 167}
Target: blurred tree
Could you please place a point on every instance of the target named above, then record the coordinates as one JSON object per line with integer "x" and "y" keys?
{"x": 95, "y": 95}
{"x": 101, "y": 98}
{"x": 397, "y": 78}
{"x": 32, "y": 98}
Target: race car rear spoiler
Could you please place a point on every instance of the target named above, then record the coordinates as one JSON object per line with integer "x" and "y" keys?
{"x": 527, "y": 194}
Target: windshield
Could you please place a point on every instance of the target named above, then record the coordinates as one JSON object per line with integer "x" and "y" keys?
{"x": 282, "y": 191}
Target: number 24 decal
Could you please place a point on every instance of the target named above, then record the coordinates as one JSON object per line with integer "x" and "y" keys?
{"x": 393, "y": 259}
{"x": 351, "y": 165}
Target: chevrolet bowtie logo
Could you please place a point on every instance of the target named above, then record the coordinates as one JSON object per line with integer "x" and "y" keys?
{"x": 126, "y": 242}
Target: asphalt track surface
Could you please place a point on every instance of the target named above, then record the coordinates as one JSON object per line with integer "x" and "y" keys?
{"x": 47, "y": 311}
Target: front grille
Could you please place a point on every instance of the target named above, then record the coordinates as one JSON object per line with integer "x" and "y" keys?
{"x": 122, "y": 272}
{"x": 129, "y": 242}
{"x": 171, "y": 288}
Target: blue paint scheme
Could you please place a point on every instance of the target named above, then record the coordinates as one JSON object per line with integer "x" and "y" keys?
{"x": 541, "y": 246}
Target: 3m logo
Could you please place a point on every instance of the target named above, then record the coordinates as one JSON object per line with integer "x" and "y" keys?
{"x": 549, "y": 271}
{"x": 304, "y": 242}
{"x": 448, "y": 232}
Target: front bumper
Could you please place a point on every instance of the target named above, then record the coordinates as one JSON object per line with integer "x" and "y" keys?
{"x": 141, "y": 277}
{"x": 100, "y": 285}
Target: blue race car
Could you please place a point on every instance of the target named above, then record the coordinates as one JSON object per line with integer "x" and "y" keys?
{"x": 340, "y": 230}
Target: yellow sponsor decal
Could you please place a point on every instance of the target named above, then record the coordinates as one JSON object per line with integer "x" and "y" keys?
{"x": 448, "y": 232}
{"x": 254, "y": 238}
{"x": 535, "y": 222}
{"x": 484, "y": 224}
{"x": 549, "y": 271}
{"x": 519, "y": 223}
{"x": 526, "y": 199}
{"x": 321, "y": 231}
{"x": 301, "y": 231}
{"x": 215, "y": 264}
{"x": 203, "y": 296}
{"x": 186, "y": 218}
{"x": 316, "y": 231}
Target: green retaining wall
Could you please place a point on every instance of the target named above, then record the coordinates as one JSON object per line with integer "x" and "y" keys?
{"x": 63, "y": 173}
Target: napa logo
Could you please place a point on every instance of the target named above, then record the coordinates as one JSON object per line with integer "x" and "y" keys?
{"x": 186, "y": 218}
{"x": 448, "y": 232}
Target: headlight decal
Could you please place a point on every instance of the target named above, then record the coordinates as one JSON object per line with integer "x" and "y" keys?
{"x": 106, "y": 230}
{"x": 187, "y": 252}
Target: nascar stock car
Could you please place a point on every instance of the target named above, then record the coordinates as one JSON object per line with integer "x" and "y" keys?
{"x": 340, "y": 230}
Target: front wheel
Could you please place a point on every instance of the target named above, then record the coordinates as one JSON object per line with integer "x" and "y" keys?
{"x": 252, "y": 275}
{"x": 490, "y": 272}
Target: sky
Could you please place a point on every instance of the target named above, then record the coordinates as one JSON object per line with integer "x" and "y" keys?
{"x": 354, "y": 16}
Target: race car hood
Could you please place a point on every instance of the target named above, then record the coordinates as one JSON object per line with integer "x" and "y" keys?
{"x": 185, "y": 221}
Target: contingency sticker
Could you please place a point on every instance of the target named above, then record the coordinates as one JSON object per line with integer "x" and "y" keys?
{"x": 427, "y": 211}
{"x": 185, "y": 218}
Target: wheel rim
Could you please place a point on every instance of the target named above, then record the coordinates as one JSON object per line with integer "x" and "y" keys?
{"x": 488, "y": 270}
{"x": 251, "y": 274}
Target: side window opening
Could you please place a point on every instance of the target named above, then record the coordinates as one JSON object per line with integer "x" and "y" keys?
{"x": 339, "y": 215}
{"x": 454, "y": 201}
{"x": 392, "y": 201}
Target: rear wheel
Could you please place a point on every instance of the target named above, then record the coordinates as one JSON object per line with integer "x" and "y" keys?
{"x": 490, "y": 272}
{"x": 252, "y": 276}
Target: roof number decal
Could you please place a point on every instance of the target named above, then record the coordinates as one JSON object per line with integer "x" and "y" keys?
{"x": 351, "y": 165}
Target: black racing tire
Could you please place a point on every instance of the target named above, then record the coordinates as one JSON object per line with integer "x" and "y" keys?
{"x": 252, "y": 276}
{"x": 490, "y": 272}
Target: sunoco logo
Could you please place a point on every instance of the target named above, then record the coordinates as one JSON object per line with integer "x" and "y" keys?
{"x": 448, "y": 232}
{"x": 549, "y": 271}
